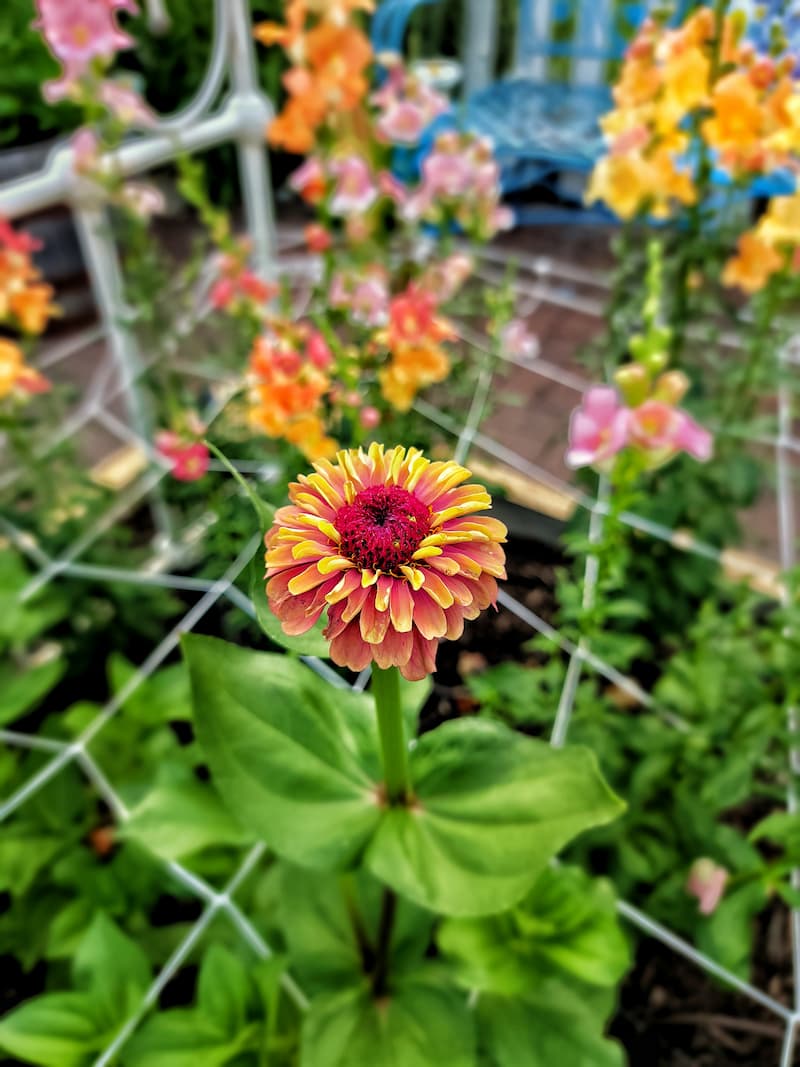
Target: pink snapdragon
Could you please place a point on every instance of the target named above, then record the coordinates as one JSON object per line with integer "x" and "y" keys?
{"x": 143, "y": 199}
{"x": 317, "y": 238}
{"x": 237, "y": 285}
{"x": 518, "y": 341}
{"x": 318, "y": 351}
{"x": 445, "y": 278}
{"x": 126, "y": 105}
{"x": 188, "y": 460}
{"x": 393, "y": 188}
{"x": 310, "y": 180}
{"x": 86, "y": 158}
{"x": 364, "y": 294}
{"x": 78, "y": 32}
{"x": 369, "y": 417}
{"x": 407, "y": 105}
{"x": 651, "y": 426}
{"x": 355, "y": 190}
{"x": 598, "y": 429}
{"x": 706, "y": 882}
{"x": 661, "y": 432}
{"x": 460, "y": 183}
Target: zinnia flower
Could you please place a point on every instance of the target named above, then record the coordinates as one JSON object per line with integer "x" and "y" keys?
{"x": 389, "y": 544}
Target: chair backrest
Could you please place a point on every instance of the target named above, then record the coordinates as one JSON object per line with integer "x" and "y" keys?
{"x": 574, "y": 41}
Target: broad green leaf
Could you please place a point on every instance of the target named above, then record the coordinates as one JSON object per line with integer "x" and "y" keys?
{"x": 320, "y": 913}
{"x": 223, "y": 990}
{"x": 560, "y": 1030}
{"x": 419, "y": 1024}
{"x": 111, "y": 968}
{"x": 284, "y": 751}
{"x": 22, "y": 689}
{"x": 727, "y": 934}
{"x": 296, "y": 762}
{"x": 163, "y": 697}
{"x": 567, "y": 924}
{"x": 308, "y": 644}
{"x": 67, "y": 928}
{"x": 178, "y": 820}
{"x": 181, "y": 1038}
{"x": 24, "y": 851}
{"x": 54, "y": 1030}
{"x": 491, "y": 809}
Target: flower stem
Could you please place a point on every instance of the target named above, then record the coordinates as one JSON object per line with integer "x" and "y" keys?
{"x": 386, "y": 690}
{"x": 381, "y": 973}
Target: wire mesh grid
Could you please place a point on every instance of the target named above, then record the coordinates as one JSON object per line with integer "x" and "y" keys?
{"x": 580, "y": 655}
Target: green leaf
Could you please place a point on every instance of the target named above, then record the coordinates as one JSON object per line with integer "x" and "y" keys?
{"x": 308, "y": 644}
{"x": 24, "y": 851}
{"x": 421, "y": 1023}
{"x": 22, "y": 689}
{"x": 112, "y": 969}
{"x": 558, "y": 1030}
{"x": 176, "y": 820}
{"x": 491, "y": 809}
{"x": 284, "y": 749}
{"x": 162, "y": 698}
{"x": 566, "y": 925}
{"x": 181, "y": 1038}
{"x": 54, "y": 1030}
{"x": 223, "y": 990}
{"x": 296, "y": 761}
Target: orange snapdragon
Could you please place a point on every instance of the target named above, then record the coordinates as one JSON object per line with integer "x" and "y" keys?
{"x": 287, "y": 386}
{"x": 329, "y": 57}
{"x": 25, "y": 301}
{"x": 414, "y": 338}
{"x": 16, "y": 377}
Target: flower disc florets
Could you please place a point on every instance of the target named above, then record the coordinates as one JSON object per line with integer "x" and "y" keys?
{"x": 383, "y": 527}
{"x": 388, "y": 543}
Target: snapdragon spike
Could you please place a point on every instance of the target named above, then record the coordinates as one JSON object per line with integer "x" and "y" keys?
{"x": 389, "y": 544}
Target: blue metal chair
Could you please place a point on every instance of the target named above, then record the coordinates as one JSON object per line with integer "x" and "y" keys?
{"x": 543, "y": 117}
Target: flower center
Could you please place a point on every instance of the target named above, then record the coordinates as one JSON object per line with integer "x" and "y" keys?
{"x": 383, "y": 527}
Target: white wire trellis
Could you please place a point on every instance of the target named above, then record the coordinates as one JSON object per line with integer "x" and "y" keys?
{"x": 241, "y": 118}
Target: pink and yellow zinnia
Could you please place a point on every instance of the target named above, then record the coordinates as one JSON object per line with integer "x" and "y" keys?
{"x": 389, "y": 543}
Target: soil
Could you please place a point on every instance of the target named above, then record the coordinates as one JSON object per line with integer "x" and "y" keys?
{"x": 672, "y": 1014}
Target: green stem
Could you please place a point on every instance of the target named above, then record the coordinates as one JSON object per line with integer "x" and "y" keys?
{"x": 386, "y": 690}
{"x": 381, "y": 973}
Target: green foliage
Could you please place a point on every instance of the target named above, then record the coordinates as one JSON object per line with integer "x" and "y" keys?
{"x": 110, "y": 975}
{"x": 546, "y": 972}
{"x": 238, "y": 1011}
{"x": 423, "y": 1022}
{"x": 301, "y": 768}
{"x": 331, "y": 924}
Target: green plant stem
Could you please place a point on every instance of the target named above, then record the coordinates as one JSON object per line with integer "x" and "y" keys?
{"x": 385, "y": 926}
{"x": 386, "y": 690}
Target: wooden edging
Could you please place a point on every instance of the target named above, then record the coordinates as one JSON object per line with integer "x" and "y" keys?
{"x": 760, "y": 574}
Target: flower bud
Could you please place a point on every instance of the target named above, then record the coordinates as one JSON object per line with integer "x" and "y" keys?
{"x": 671, "y": 387}
{"x": 633, "y": 382}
